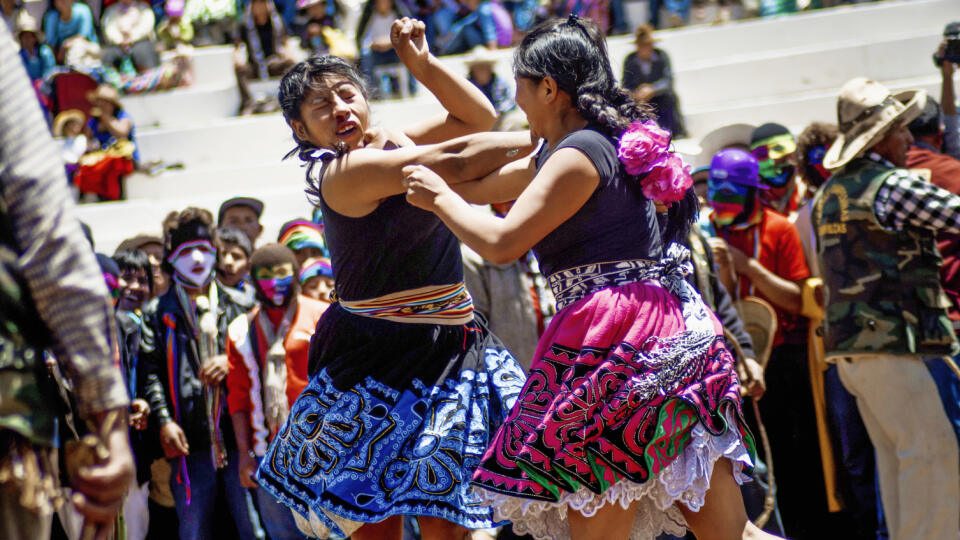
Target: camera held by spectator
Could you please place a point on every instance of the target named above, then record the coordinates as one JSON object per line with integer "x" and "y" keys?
{"x": 949, "y": 51}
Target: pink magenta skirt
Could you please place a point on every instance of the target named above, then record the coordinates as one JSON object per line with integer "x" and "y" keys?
{"x": 632, "y": 396}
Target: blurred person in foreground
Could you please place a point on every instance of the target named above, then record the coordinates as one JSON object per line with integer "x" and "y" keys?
{"x": 45, "y": 254}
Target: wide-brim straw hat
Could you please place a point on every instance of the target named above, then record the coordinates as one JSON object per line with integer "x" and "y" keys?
{"x": 480, "y": 55}
{"x": 107, "y": 93}
{"x": 866, "y": 111}
{"x": 60, "y": 121}
{"x": 732, "y": 135}
{"x": 27, "y": 23}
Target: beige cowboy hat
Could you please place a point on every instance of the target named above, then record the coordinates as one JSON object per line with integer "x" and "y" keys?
{"x": 107, "y": 93}
{"x": 61, "y": 120}
{"x": 480, "y": 55}
{"x": 27, "y": 23}
{"x": 866, "y": 111}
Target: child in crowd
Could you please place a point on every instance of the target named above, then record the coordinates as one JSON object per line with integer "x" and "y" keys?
{"x": 152, "y": 246}
{"x": 183, "y": 345}
{"x": 316, "y": 278}
{"x": 242, "y": 213}
{"x": 68, "y": 127}
{"x": 268, "y": 350}
{"x": 233, "y": 260}
{"x": 304, "y": 238}
{"x": 134, "y": 282}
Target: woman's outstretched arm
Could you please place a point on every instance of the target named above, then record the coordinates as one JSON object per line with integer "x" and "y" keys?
{"x": 467, "y": 109}
{"x": 355, "y": 183}
{"x": 562, "y": 186}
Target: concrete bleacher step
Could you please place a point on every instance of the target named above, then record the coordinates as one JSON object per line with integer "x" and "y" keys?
{"x": 113, "y": 222}
{"x": 812, "y": 67}
{"x": 795, "y": 109}
{"x": 250, "y": 139}
{"x": 217, "y": 179}
{"x": 258, "y": 138}
{"x": 694, "y": 43}
{"x": 184, "y": 106}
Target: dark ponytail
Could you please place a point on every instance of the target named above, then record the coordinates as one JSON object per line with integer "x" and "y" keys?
{"x": 573, "y": 52}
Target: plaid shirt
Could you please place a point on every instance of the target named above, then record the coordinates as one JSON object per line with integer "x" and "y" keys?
{"x": 905, "y": 200}
{"x": 55, "y": 257}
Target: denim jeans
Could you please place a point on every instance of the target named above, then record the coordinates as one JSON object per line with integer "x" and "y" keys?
{"x": 949, "y": 388}
{"x": 276, "y": 517}
{"x": 857, "y": 474}
{"x": 197, "y": 518}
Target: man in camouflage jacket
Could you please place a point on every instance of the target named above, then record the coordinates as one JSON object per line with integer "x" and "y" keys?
{"x": 884, "y": 308}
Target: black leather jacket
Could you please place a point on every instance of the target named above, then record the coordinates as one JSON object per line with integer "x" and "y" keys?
{"x": 161, "y": 319}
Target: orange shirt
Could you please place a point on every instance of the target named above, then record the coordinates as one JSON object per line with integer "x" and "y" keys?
{"x": 245, "y": 378}
{"x": 776, "y": 244}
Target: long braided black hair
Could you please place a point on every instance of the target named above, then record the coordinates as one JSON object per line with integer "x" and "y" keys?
{"x": 573, "y": 53}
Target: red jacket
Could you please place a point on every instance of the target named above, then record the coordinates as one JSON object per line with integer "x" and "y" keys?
{"x": 945, "y": 173}
{"x": 245, "y": 379}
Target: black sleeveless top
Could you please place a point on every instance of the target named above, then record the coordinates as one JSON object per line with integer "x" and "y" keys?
{"x": 394, "y": 248}
{"x": 616, "y": 223}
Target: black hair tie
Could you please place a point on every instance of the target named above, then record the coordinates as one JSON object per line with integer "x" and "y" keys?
{"x": 574, "y": 20}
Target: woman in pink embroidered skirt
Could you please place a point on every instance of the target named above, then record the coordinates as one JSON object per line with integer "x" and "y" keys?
{"x": 630, "y": 422}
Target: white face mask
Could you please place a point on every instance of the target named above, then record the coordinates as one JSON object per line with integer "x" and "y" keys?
{"x": 193, "y": 263}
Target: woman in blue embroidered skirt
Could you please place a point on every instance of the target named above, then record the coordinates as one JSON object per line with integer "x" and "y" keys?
{"x": 630, "y": 422}
{"x": 406, "y": 386}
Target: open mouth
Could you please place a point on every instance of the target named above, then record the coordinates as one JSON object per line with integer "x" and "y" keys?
{"x": 346, "y": 129}
{"x": 198, "y": 269}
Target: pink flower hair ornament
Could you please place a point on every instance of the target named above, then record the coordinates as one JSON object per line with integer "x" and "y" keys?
{"x": 644, "y": 151}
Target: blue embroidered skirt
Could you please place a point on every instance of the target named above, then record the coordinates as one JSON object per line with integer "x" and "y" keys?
{"x": 394, "y": 421}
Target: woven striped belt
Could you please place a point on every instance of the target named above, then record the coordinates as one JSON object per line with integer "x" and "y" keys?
{"x": 575, "y": 283}
{"x": 442, "y": 304}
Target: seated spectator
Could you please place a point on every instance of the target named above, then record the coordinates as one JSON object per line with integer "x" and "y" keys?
{"x": 175, "y": 29}
{"x": 68, "y": 19}
{"x": 462, "y": 28}
{"x": 648, "y": 76}
{"x": 8, "y": 11}
{"x": 112, "y": 133}
{"x": 233, "y": 260}
{"x": 68, "y": 127}
{"x": 242, "y": 213}
{"x": 214, "y": 21}
{"x": 373, "y": 42}
{"x": 319, "y": 29}
{"x": 480, "y": 72}
{"x": 127, "y": 27}
{"x": 316, "y": 278}
{"x": 265, "y": 51}
{"x": 37, "y": 55}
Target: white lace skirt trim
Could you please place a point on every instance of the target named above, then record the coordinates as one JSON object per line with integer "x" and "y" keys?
{"x": 686, "y": 480}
